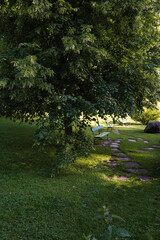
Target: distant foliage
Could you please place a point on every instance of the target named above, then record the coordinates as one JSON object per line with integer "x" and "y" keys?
{"x": 147, "y": 116}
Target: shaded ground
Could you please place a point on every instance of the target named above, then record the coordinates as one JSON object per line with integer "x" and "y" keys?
{"x": 37, "y": 207}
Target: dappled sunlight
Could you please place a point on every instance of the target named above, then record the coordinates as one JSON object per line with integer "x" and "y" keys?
{"x": 80, "y": 190}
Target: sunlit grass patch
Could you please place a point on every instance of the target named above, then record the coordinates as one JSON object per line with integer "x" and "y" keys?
{"x": 35, "y": 206}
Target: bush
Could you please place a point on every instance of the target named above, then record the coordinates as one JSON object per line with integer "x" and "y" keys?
{"x": 70, "y": 147}
{"x": 112, "y": 231}
{"x": 147, "y": 116}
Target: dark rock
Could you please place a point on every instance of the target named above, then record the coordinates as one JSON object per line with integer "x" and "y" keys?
{"x": 153, "y": 127}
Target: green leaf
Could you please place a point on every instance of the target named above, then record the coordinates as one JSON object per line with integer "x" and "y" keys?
{"x": 117, "y": 217}
{"x": 122, "y": 232}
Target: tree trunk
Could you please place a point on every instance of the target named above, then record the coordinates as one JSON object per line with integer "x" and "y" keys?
{"x": 68, "y": 130}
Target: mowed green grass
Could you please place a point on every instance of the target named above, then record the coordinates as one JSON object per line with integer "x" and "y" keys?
{"x": 34, "y": 206}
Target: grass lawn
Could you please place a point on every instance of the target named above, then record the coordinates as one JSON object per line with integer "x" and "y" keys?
{"x": 34, "y": 206}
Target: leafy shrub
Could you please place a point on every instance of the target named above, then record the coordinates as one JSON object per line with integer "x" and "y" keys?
{"x": 113, "y": 232}
{"x": 148, "y": 115}
{"x": 71, "y": 146}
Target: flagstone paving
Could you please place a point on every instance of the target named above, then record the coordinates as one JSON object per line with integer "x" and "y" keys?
{"x": 141, "y": 150}
{"x": 124, "y": 158}
{"x": 120, "y": 154}
{"x": 115, "y": 149}
{"x": 149, "y": 148}
{"x": 132, "y": 168}
{"x": 137, "y": 170}
{"x": 145, "y": 178}
{"x": 131, "y": 164}
{"x": 111, "y": 163}
{"x": 114, "y": 145}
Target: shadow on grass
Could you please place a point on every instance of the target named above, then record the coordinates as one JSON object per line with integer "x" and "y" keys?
{"x": 35, "y": 206}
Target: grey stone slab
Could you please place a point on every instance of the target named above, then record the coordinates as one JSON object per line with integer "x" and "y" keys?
{"x": 114, "y": 146}
{"x": 132, "y": 140}
{"x": 120, "y": 154}
{"x": 140, "y": 138}
{"x": 156, "y": 146}
{"x": 145, "y": 141}
{"x": 111, "y": 163}
{"x": 131, "y": 164}
{"x": 137, "y": 170}
{"x": 106, "y": 142}
{"x": 124, "y": 158}
{"x": 149, "y": 148}
{"x": 118, "y": 141}
{"x": 115, "y": 149}
{"x": 141, "y": 150}
{"x": 145, "y": 178}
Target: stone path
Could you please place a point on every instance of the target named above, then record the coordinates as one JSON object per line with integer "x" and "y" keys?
{"x": 132, "y": 168}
